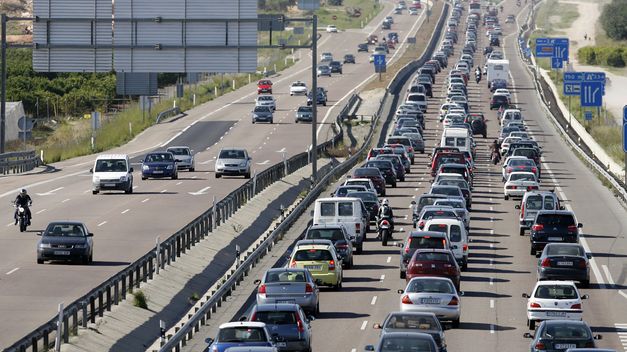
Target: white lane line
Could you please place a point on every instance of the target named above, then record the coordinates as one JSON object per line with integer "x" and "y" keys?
{"x": 102, "y": 223}
{"x": 491, "y": 328}
{"x": 491, "y": 219}
{"x": 491, "y": 282}
{"x": 202, "y": 191}
{"x": 401, "y": 229}
{"x": 178, "y": 183}
{"x": 364, "y": 324}
{"x": 41, "y": 211}
{"x": 135, "y": 187}
{"x": 163, "y": 191}
{"x": 126, "y": 211}
{"x": 194, "y": 177}
{"x": 49, "y": 192}
{"x": 606, "y": 270}
{"x": 354, "y": 350}
{"x": 382, "y": 278}
{"x": 405, "y": 218}
{"x": 263, "y": 163}
{"x": 374, "y": 301}
{"x": 492, "y": 303}
{"x": 207, "y": 162}
{"x": 491, "y": 208}
{"x": 89, "y": 190}
{"x": 12, "y": 223}
{"x": 145, "y": 200}
{"x": 65, "y": 200}
{"x": 388, "y": 260}
{"x": 12, "y": 271}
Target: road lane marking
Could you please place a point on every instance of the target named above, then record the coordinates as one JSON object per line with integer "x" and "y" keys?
{"x": 354, "y": 350}
{"x": 388, "y": 260}
{"x": 65, "y": 200}
{"x": 145, "y": 200}
{"x": 194, "y": 177}
{"x": 125, "y": 211}
{"x": 178, "y": 183}
{"x": 364, "y": 324}
{"x": 491, "y": 208}
{"x": 492, "y": 303}
{"x": 382, "y": 278}
{"x": 374, "y": 301}
{"x": 202, "y": 191}
{"x": 12, "y": 271}
{"x": 610, "y": 280}
{"x": 207, "y": 162}
{"x": 12, "y": 223}
{"x": 264, "y": 162}
{"x": 491, "y": 328}
{"x": 491, "y": 282}
{"x": 102, "y": 223}
{"x": 49, "y": 192}
{"x": 163, "y": 191}
{"x": 41, "y": 211}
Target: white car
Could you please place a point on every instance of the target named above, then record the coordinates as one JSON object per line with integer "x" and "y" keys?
{"x": 452, "y": 119}
{"x": 518, "y": 183}
{"x": 506, "y": 142}
{"x": 366, "y": 182}
{"x": 455, "y": 230}
{"x": 551, "y": 300}
{"x": 459, "y": 206}
{"x": 326, "y": 57}
{"x": 519, "y": 134}
{"x": 432, "y": 295}
{"x": 331, "y": 28}
{"x": 298, "y": 88}
{"x": 413, "y": 11}
{"x": 444, "y": 109}
{"x": 266, "y": 100}
{"x": 505, "y": 92}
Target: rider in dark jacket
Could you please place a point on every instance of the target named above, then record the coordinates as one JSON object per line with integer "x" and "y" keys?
{"x": 385, "y": 211}
{"x": 23, "y": 200}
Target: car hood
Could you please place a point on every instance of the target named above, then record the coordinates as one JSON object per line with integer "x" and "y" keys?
{"x": 231, "y": 161}
{"x": 183, "y": 157}
{"x": 110, "y": 175}
{"x": 62, "y": 240}
{"x": 157, "y": 164}
{"x": 262, "y": 113}
{"x": 223, "y": 346}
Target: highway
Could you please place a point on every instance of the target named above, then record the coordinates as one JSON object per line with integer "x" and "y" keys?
{"x": 500, "y": 266}
{"x": 125, "y": 226}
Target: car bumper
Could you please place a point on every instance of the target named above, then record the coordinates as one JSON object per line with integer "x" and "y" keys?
{"x": 442, "y": 313}
{"x": 305, "y": 118}
{"x": 158, "y": 174}
{"x": 554, "y": 314}
{"x": 328, "y": 279}
{"x": 111, "y": 185}
{"x": 563, "y": 274}
{"x": 514, "y": 192}
{"x": 62, "y": 253}
{"x": 229, "y": 170}
{"x": 285, "y": 346}
{"x": 262, "y": 118}
{"x": 298, "y": 92}
{"x": 525, "y": 224}
{"x": 186, "y": 164}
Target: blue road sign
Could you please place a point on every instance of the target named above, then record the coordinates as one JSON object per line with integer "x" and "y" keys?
{"x": 379, "y": 60}
{"x": 625, "y": 114}
{"x": 556, "y": 62}
{"x": 560, "y": 48}
{"x": 544, "y": 47}
{"x": 594, "y": 76}
{"x": 591, "y": 94}
{"x": 587, "y": 115}
{"x": 572, "y": 89}
{"x": 573, "y": 77}
{"x": 625, "y": 139}
{"x": 552, "y": 47}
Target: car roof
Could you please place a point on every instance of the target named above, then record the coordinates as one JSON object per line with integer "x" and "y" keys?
{"x": 554, "y": 282}
{"x": 446, "y": 221}
{"x": 555, "y": 212}
{"x": 235, "y": 324}
{"x": 271, "y": 307}
{"x": 565, "y": 322}
{"x": 178, "y": 146}
{"x": 427, "y": 233}
{"x": 329, "y": 225}
{"x": 112, "y": 156}
{"x": 315, "y": 244}
{"x": 69, "y": 222}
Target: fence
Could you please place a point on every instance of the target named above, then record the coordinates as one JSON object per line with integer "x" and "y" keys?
{"x": 17, "y": 162}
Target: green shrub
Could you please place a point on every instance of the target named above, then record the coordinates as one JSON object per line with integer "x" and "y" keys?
{"x": 587, "y": 55}
{"x": 615, "y": 58}
{"x": 140, "y": 300}
{"x": 613, "y": 19}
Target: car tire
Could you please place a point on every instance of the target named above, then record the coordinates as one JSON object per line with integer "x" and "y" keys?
{"x": 360, "y": 248}
{"x": 521, "y": 231}
{"x": 403, "y": 179}
{"x": 247, "y": 175}
{"x": 383, "y": 193}
{"x": 531, "y": 324}
{"x": 192, "y": 169}
{"x": 506, "y": 197}
{"x": 130, "y": 189}
{"x": 175, "y": 176}
{"x": 40, "y": 261}
{"x": 456, "y": 323}
{"x": 94, "y": 192}
{"x": 218, "y": 175}
{"x": 324, "y": 104}
{"x": 144, "y": 178}
{"x": 253, "y": 122}
{"x": 464, "y": 265}
{"x": 394, "y": 185}
{"x": 532, "y": 251}
{"x": 585, "y": 283}
{"x": 85, "y": 260}
{"x": 403, "y": 274}
{"x": 350, "y": 264}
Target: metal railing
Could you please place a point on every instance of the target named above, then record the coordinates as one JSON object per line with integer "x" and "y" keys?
{"x": 17, "y": 162}
{"x": 167, "y": 113}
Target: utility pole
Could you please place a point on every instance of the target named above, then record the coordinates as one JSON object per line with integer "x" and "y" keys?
{"x": 3, "y": 77}
{"x": 314, "y": 99}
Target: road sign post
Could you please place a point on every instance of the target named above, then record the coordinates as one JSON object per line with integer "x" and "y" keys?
{"x": 379, "y": 64}
{"x": 625, "y": 139}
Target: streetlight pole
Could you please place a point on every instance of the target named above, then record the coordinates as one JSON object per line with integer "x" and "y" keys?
{"x": 3, "y": 78}
{"x": 314, "y": 99}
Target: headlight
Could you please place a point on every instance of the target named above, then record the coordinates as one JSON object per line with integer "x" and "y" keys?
{"x": 243, "y": 163}
{"x": 96, "y": 178}
{"x": 145, "y": 167}
{"x": 80, "y": 246}
{"x": 169, "y": 167}
{"x": 45, "y": 245}
{"x": 122, "y": 178}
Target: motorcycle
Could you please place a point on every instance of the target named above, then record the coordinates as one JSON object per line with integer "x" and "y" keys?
{"x": 496, "y": 157}
{"x": 22, "y": 218}
{"x": 478, "y": 77}
{"x": 384, "y": 228}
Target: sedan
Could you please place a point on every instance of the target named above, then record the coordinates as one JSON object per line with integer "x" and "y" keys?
{"x": 159, "y": 165}
{"x": 551, "y": 300}
{"x": 262, "y": 113}
{"x": 266, "y": 100}
{"x": 291, "y": 329}
{"x": 350, "y": 58}
{"x": 432, "y": 295}
{"x": 498, "y": 100}
{"x": 324, "y": 70}
{"x": 362, "y": 47}
{"x": 289, "y": 285}
{"x": 241, "y": 333}
{"x": 65, "y": 240}
{"x": 519, "y": 164}
{"x": 560, "y": 335}
{"x": 518, "y": 183}
{"x": 426, "y": 323}
{"x": 184, "y": 156}
{"x": 336, "y": 67}
{"x": 331, "y": 28}
{"x": 298, "y": 88}
{"x": 264, "y": 86}
{"x": 304, "y": 113}
{"x": 434, "y": 262}
{"x": 564, "y": 261}
{"x": 404, "y": 341}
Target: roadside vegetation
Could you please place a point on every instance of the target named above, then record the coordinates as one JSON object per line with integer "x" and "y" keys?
{"x": 610, "y": 50}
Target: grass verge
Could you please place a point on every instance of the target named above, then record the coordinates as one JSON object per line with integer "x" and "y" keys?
{"x": 343, "y": 20}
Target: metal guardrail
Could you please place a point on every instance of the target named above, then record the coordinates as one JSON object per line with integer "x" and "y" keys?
{"x": 17, "y": 162}
{"x": 167, "y": 113}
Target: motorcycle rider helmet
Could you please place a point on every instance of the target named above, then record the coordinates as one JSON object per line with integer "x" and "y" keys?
{"x": 23, "y": 192}
{"x": 385, "y": 202}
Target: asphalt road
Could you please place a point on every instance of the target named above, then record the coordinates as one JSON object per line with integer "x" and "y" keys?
{"x": 126, "y": 226}
{"x": 500, "y": 267}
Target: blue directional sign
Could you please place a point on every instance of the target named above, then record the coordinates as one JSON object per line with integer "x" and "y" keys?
{"x": 573, "y": 77}
{"x": 544, "y": 47}
{"x": 560, "y": 48}
{"x": 573, "y": 80}
{"x": 625, "y": 139}
{"x": 556, "y": 62}
{"x": 587, "y": 115}
{"x": 591, "y": 94}
{"x": 379, "y": 63}
{"x": 552, "y": 47}
{"x": 625, "y": 114}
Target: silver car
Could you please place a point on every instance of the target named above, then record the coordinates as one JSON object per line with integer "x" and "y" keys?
{"x": 289, "y": 285}
{"x": 435, "y": 295}
{"x": 304, "y": 113}
{"x": 233, "y": 161}
{"x": 266, "y": 100}
{"x": 184, "y": 156}
{"x": 324, "y": 70}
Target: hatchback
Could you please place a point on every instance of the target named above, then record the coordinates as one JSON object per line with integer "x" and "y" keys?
{"x": 435, "y": 295}
{"x": 290, "y": 328}
{"x": 564, "y": 261}
{"x": 242, "y": 333}
{"x": 420, "y": 240}
{"x": 184, "y": 156}
{"x": 320, "y": 258}
{"x": 159, "y": 165}
{"x": 551, "y": 300}
{"x": 337, "y": 234}
{"x": 560, "y": 335}
{"x": 404, "y": 341}
{"x": 289, "y": 285}
{"x": 426, "y": 323}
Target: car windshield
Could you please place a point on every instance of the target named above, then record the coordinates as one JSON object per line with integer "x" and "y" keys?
{"x": 298, "y": 84}
{"x": 242, "y": 334}
{"x": 456, "y": 205}
{"x": 407, "y": 321}
{"x": 262, "y": 109}
{"x": 325, "y": 234}
{"x": 179, "y": 151}
{"x": 363, "y": 172}
{"x": 64, "y": 230}
{"x": 560, "y": 220}
{"x": 307, "y": 255}
{"x": 305, "y": 109}
{"x": 159, "y": 158}
{"x": 232, "y": 154}
{"x": 285, "y": 276}
{"x": 432, "y": 256}
{"x": 565, "y": 250}
{"x": 405, "y": 343}
{"x": 433, "y": 286}
{"x": 447, "y": 191}
{"x": 265, "y": 83}
{"x": 453, "y": 182}
{"x": 276, "y": 317}
{"x": 110, "y": 165}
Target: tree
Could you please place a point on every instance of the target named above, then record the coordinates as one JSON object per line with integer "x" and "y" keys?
{"x": 613, "y": 19}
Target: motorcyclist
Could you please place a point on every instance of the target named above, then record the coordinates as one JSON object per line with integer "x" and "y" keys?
{"x": 478, "y": 74}
{"x": 495, "y": 154}
{"x": 23, "y": 200}
{"x": 385, "y": 212}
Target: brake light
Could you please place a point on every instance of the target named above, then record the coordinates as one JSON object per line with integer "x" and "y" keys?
{"x": 299, "y": 324}
{"x": 531, "y": 188}
{"x": 357, "y": 227}
{"x": 442, "y": 225}
{"x": 546, "y": 262}
{"x": 576, "y": 306}
{"x": 509, "y": 169}
{"x": 293, "y": 264}
{"x": 406, "y": 300}
{"x": 522, "y": 208}
{"x": 454, "y": 302}
{"x": 385, "y": 223}
{"x": 407, "y": 246}
{"x": 538, "y": 227}
{"x": 533, "y": 169}
{"x": 262, "y": 289}
{"x": 540, "y": 346}
{"x": 582, "y": 264}
{"x": 535, "y": 305}
{"x": 572, "y": 228}
{"x": 254, "y": 317}
{"x": 465, "y": 248}
{"x": 331, "y": 264}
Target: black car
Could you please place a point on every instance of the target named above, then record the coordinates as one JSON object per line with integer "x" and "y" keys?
{"x": 349, "y": 59}
{"x": 67, "y": 241}
{"x": 336, "y": 67}
{"x": 559, "y": 335}
{"x": 564, "y": 261}
{"x": 487, "y": 50}
{"x": 398, "y": 165}
{"x": 387, "y": 170}
{"x": 362, "y": 47}
{"x": 428, "y": 88}
{"x": 478, "y": 124}
{"x": 498, "y": 100}
{"x": 494, "y": 41}
{"x": 553, "y": 226}
{"x": 321, "y": 98}
{"x": 371, "y": 201}
{"x": 386, "y": 25}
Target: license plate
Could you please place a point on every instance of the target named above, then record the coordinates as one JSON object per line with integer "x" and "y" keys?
{"x": 565, "y": 263}
{"x": 313, "y": 267}
{"x": 157, "y": 172}
{"x": 281, "y": 344}
{"x": 565, "y": 346}
{"x": 285, "y": 301}
{"x": 429, "y": 301}
{"x": 61, "y": 252}
{"x": 555, "y": 238}
{"x": 109, "y": 184}
{"x": 555, "y": 314}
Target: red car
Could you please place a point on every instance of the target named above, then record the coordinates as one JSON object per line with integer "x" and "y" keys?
{"x": 446, "y": 158}
{"x": 434, "y": 262}
{"x": 264, "y": 86}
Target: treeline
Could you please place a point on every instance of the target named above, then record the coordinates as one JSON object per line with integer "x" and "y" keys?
{"x": 613, "y": 56}
{"x": 63, "y": 94}
{"x": 614, "y": 19}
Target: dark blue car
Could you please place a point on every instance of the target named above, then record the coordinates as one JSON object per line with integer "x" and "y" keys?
{"x": 289, "y": 327}
{"x": 240, "y": 334}
{"x": 159, "y": 165}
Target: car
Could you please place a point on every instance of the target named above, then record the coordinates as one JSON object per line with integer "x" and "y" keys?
{"x": 337, "y": 234}
{"x": 66, "y": 241}
{"x": 533, "y": 202}
{"x": 564, "y": 261}
{"x": 298, "y": 88}
{"x": 478, "y": 124}
{"x": 457, "y": 236}
{"x": 551, "y": 300}
{"x": 159, "y": 165}
{"x": 424, "y": 200}
{"x": 417, "y": 142}
{"x": 498, "y": 100}
{"x": 503, "y": 91}
{"x": 463, "y": 186}
{"x": 184, "y": 156}
{"x": 289, "y": 285}
{"x": 349, "y": 58}
{"x": 372, "y": 39}
{"x": 404, "y": 341}
{"x": 291, "y": 328}
{"x": 426, "y": 323}
{"x": 459, "y": 207}
{"x": 264, "y": 86}
{"x": 336, "y": 67}
{"x": 112, "y": 172}
{"x": 320, "y": 258}
{"x": 331, "y": 28}
{"x": 324, "y": 57}
{"x": 304, "y": 114}
{"x": 553, "y": 226}
{"x": 241, "y": 333}
{"x": 375, "y": 176}
{"x": 324, "y": 70}
{"x": 363, "y": 181}
{"x": 398, "y": 165}
{"x": 519, "y": 164}
{"x": 386, "y": 168}
{"x": 437, "y": 295}
{"x": 498, "y": 84}
{"x": 494, "y": 40}
{"x": 370, "y": 200}
{"x": 434, "y": 262}
{"x": 386, "y": 25}
{"x": 321, "y": 99}
{"x": 234, "y": 162}
{"x": 420, "y": 240}
{"x": 560, "y": 335}
{"x": 413, "y": 11}
{"x": 450, "y": 191}
{"x": 362, "y": 47}
{"x": 262, "y": 113}
{"x": 266, "y": 100}
{"x": 518, "y": 183}
{"x": 510, "y": 19}
{"x": 344, "y": 190}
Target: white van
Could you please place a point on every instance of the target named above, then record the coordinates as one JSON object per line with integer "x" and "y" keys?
{"x": 418, "y": 98}
{"x": 112, "y": 172}
{"x": 458, "y": 138}
{"x": 511, "y": 115}
{"x": 351, "y": 212}
{"x": 457, "y": 236}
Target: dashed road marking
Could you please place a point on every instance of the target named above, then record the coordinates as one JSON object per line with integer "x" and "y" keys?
{"x": 12, "y": 271}
{"x": 65, "y": 200}
{"x": 178, "y": 183}
{"x": 145, "y": 200}
{"x": 388, "y": 260}
{"x": 374, "y": 301}
{"x": 102, "y": 223}
{"x": 364, "y": 324}
{"x": 382, "y": 278}
{"x": 492, "y": 303}
{"x": 125, "y": 211}
{"x": 491, "y": 328}
{"x": 41, "y": 211}
{"x": 163, "y": 191}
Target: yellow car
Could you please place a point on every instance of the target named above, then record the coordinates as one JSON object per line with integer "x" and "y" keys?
{"x": 320, "y": 258}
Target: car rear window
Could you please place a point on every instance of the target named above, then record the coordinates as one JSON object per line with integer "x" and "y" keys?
{"x": 325, "y": 234}
{"x": 516, "y": 176}
{"x": 534, "y": 202}
{"x": 432, "y": 214}
{"x": 447, "y": 191}
{"x": 403, "y": 141}
{"x": 179, "y": 151}
{"x": 306, "y": 255}
{"x": 366, "y": 172}
{"x": 275, "y": 317}
{"x": 455, "y": 233}
{"x": 403, "y": 321}
{"x": 556, "y": 292}
{"x": 549, "y": 203}
{"x": 566, "y": 332}
{"x": 561, "y": 220}
{"x": 414, "y": 344}
{"x": 433, "y": 256}
{"x": 285, "y": 276}
{"x": 430, "y": 286}
{"x": 427, "y": 242}
{"x": 345, "y": 209}
{"x": 242, "y": 334}
{"x": 565, "y": 250}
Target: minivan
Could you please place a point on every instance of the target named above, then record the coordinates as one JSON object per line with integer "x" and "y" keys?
{"x": 112, "y": 172}
{"x": 457, "y": 237}
{"x": 348, "y": 211}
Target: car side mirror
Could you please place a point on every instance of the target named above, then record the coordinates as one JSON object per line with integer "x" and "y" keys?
{"x": 257, "y": 282}
{"x": 598, "y": 337}
{"x": 413, "y": 202}
{"x": 585, "y": 297}
{"x": 40, "y": 233}
{"x": 209, "y": 340}
{"x": 91, "y": 171}
{"x": 588, "y": 255}
{"x": 562, "y": 207}
{"x": 538, "y": 254}
{"x": 131, "y": 170}
{"x": 517, "y": 206}
{"x": 369, "y": 348}
{"x": 242, "y": 318}
{"x": 377, "y": 326}
{"x": 401, "y": 291}
{"x": 527, "y": 335}
{"x": 525, "y": 295}
{"x": 579, "y": 225}
{"x": 90, "y": 235}
{"x": 177, "y": 160}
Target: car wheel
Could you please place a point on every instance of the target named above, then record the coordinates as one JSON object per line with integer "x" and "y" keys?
{"x": 324, "y": 104}
{"x": 532, "y": 251}
{"x": 271, "y": 121}
{"x": 192, "y": 169}
{"x": 218, "y": 175}
{"x": 403, "y": 179}
{"x": 360, "y": 248}
{"x": 349, "y": 265}
{"x": 383, "y": 193}
{"x": 585, "y": 283}
{"x": 456, "y": 323}
{"x": 531, "y": 324}
{"x": 144, "y": 178}
{"x": 394, "y": 185}
{"x": 485, "y": 135}
{"x": 247, "y": 175}
{"x": 91, "y": 258}
{"x": 94, "y": 192}
{"x": 403, "y": 274}
{"x": 85, "y": 260}
{"x": 253, "y": 122}
{"x": 506, "y": 197}
{"x": 317, "y": 312}
{"x": 521, "y": 231}
{"x": 40, "y": 261}
{"x": 130, "y": 189}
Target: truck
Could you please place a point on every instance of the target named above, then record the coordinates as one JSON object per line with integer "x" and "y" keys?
{"x": 498, "y": 69}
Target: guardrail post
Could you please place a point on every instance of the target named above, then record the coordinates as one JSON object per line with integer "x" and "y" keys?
{"x": 144, "y": 277}
{"x": 57, "y": 339}
{"x": 116, "y": 293}
{"x": 131, "y": 283}
{"x": 66, "y": 329}
{"x": 123, "y": 292}
{"x": 137, "y": 277}
{"x": 33, "y": 342}
{"x": 157, "y": 256}
{"x": 100, "y": 300}
{"x": 92, "y": 309}
{"x": 151, "y": 267}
